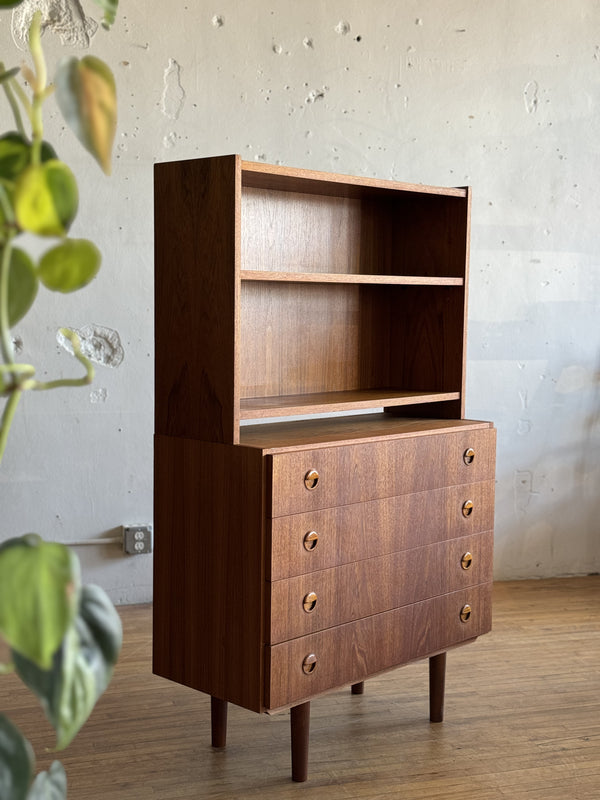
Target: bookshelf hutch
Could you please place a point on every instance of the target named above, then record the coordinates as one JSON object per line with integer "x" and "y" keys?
{"x": 299, "y": 549}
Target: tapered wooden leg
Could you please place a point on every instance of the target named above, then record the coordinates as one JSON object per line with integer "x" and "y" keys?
{"x": 358, "y": 688}
{"x": 300, "y": 725}
{"x": 218, "y": 721}
{"x": 437, "y": 682}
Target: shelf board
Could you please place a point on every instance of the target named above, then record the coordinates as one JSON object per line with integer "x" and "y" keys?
{"x": 280, "y": 178}
{"x": 326, "y": 402}
{"x": 342, "y": 277}
{"x": 274, "y": 437}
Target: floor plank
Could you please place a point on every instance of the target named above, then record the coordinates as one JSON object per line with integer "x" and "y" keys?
{"x": 522, "y": 721}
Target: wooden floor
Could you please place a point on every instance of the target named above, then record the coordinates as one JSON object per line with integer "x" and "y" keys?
{"x": 522, "y": 721}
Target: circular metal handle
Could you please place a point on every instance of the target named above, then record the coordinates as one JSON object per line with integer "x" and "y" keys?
{"x": 311, "y": 479}
{"x": 310, "y": 601}
{"x": 466, "y": 561}
{"x": 467, "y": 508}
{"x": 469, "y": 456}
{"x": 309, "y": 664}
{"x": 310, "y": 541}
{"x": 465, "y": 612}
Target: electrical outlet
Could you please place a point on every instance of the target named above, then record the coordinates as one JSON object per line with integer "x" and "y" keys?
{"x": 137, "y": 539}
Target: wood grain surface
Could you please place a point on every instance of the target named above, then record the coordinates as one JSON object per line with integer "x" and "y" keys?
{"x": 366, "y": 530}
{"x": 209, "y": 568}
{"x": 196, "y": 219}
{"x": 374, "y": 585}
{"x": 360, "y": 472}
{"x": 350, "y": 653}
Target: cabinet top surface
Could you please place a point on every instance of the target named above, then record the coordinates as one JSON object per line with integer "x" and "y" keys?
{"x": 335, "y": 431}
{"x": 271, "y": 176}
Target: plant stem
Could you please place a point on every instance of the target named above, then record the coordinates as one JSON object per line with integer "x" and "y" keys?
{"x": 7, "y": 418}
{"x": 39, "y": 86}
{"x": 12, "y": 101}
{"x": 5, "y": 204}
{"x": 5, "y": 340}
{"x": 85, "y": 380}
{"x": 16, "y": 87}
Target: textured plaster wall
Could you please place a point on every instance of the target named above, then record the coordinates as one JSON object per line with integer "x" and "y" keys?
{"x": 503, "y": 96}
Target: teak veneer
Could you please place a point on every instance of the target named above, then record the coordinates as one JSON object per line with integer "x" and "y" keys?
{"x": 296, "y": 556}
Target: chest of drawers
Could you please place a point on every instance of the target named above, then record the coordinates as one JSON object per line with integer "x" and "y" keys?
{"x": 297, "y": 571}
{"x": 293, "y": 557}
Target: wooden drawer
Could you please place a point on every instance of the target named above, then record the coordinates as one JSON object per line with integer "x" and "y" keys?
{"x": 352, "y": 652}
{"x": 356, "y": 473}
{"x": 366, "y": 530}
{"x": 331, "y": 597}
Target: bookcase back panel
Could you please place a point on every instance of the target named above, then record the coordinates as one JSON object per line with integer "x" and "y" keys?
{"x": 413, "y": 234}
{"x": 299, "y": 339}
{"x": 293, "y": 232}
{"x": 427, "y": 337}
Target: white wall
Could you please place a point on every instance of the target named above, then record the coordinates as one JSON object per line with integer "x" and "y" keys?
{"x": 500, "y": 95}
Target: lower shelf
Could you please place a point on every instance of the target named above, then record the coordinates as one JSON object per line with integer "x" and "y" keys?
{"x": 305, "y": 667}
{"x": 327, "y": 402}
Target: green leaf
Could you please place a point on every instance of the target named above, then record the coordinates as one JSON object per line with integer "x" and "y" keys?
{"x": 39, "y": 594}
{"x": 22, "y": 285}
{"x": 102, "y": 619}
{"x": 10, "y": 3}
{"x": 81, "y": 669}
{"x": 10, "y": 73}
{"x": 110, "y": 11}
{"x": 70, "y": 265}
{"x": 15, "y": 154}
{"x": 50, "y": 785}
{"x": 46, "y": 198}
{"x": 16, "y": 761}
{"x": 87, "y": 97}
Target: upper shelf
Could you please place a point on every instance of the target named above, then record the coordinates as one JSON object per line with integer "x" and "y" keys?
{"x": 340, "y": 277}
{"x": 269, "y": 176}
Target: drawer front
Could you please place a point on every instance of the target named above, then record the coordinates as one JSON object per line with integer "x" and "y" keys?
{"x": 317, "y": 540}
{"x": 311, "y": 479}
{"x": 299, "y": 669}
{"x": 331, "y": 597}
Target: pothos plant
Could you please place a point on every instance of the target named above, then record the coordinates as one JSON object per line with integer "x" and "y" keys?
{"x": 63, "y": 638}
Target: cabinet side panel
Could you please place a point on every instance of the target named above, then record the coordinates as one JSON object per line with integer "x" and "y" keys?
{"x": 196, "y": 210}
{"x": 208, "y": 568}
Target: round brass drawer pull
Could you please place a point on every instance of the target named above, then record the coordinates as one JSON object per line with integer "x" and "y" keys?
{"x": 467, "y": 508}
{"x": 311, "y": 479}
{"x": 469, "y": 456}
{"x": 310, "y": 541}
{"x": 466, "y": 561}
{"x": 310, "y": 601}
{"x": 465, "y": 612}
{"x": 309, "y": 664}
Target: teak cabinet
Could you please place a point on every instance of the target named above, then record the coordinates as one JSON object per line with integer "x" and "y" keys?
{"x": 294, "y": 556}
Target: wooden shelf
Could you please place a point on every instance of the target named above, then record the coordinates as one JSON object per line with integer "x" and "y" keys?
{"x": 327, "y": 402}
{"x": 305, "y": 434}
{"x": 289, "y": 179}
{"x": 340, "y": 277}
